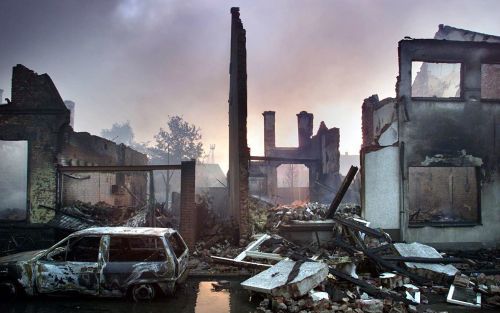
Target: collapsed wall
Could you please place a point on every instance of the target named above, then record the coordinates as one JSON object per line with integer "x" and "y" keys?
{"x": 38, "y": 117}
{"x": 319, "y": 153}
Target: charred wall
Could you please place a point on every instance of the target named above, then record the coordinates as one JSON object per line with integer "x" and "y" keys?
{"x": 451, "y": 132}
{"x": 38, "y": 115}
{"x": 430, "y": 163}
{"x": 318, "y": 152}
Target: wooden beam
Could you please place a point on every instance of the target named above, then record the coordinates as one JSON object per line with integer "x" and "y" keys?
{"x": 244, "y": 264}
{"x": 342, "y": 191}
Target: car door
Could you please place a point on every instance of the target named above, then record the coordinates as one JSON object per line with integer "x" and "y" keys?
{"x": 131, "y": 260}
{"x": 71, "y": 266}
{"x": 180, "y": 250}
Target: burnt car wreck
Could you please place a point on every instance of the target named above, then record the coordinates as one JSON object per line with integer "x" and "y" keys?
{"x": 103, "y": 261}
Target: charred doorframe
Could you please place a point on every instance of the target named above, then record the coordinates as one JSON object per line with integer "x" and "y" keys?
{"x": 471, "y": 56}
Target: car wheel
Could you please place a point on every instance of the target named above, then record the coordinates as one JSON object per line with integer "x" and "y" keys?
{"x": 143, "y": 292}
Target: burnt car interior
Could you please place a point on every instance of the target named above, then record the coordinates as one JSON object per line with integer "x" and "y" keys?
{"x": 77, "y": 249}
{"x": 136, "y": 249}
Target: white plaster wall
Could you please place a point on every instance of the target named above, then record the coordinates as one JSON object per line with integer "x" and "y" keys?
{"x": 382, "y": 116}
{"x": 381, "y": 188}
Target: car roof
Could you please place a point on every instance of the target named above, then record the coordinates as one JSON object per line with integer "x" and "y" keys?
{"x": 151, "y": 231}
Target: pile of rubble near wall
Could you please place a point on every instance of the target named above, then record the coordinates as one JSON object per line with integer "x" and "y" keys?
{"x": 356, "y": 268}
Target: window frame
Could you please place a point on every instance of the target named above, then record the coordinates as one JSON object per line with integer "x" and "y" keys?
{"x": 481, "y": 83}
{"x": 421, "y": 98}
{"x": 478, "y": 222}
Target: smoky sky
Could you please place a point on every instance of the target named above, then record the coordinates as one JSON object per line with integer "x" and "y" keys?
{"x": 145, "y": 60}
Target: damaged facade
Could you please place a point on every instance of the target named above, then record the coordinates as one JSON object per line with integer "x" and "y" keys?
{"x": 37, "y": 122}
{"x": 430, "y": 158}
{"x": 319, "y": 153}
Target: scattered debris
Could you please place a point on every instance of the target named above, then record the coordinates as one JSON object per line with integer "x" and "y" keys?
{"x": 464, "y": 296}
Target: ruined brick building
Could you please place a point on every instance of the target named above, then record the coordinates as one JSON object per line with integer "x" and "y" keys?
{"x": 319, "y": 153}
{"x": 35, "y": 128}
{"x": 431, "y": 157}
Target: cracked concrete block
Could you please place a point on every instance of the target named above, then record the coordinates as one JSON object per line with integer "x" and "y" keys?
{"x": 420, "y": 250}
{"x": 273, "y": 281}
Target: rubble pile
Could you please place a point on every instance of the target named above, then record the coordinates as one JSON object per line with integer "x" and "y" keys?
{"x": 258, "y": 210}
{"x": 356, "y": 268}
{"x": 297, "y": 211}
{"x": 200, "y": 259}
{"x": 366, "y": 272}
{"x": 100, "y": 213}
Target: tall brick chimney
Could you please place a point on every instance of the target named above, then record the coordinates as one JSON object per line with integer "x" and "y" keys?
{"x": 269, "y": 131}
{"x": 305, "y": 127}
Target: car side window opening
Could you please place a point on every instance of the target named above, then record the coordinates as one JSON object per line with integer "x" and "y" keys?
{"x": 58, "y": 253}
{"x": 83, "y": 249}
{"x": 177, "y": 244}
{"x": 136, "y": 249}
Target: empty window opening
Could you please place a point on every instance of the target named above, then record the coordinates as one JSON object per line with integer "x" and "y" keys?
{"x": 13, "y": 185}
{"x": 443, "y": 195}
{"x": 136, "y": 249}
{"x": 293, "y": 183}
{"x": 441, "y": 80}
{"x": 490, "y": 81}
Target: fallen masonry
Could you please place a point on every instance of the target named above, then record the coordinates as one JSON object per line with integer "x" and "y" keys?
{"x": 288, "y": 278}
{"x": 341, "y": 264}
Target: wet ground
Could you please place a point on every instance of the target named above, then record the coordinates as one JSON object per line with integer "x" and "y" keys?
{"x": 197, "y": 296}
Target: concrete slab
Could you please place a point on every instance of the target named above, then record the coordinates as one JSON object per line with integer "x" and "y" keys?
{"x": 416, "y": 249}
{"x": 273, "y": 280}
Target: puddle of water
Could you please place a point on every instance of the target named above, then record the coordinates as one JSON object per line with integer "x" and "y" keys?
{"x": 209, "y": 301}
{"x": 197, "y": 296}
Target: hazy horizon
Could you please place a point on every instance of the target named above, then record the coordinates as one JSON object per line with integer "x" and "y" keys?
{"x": 144, "y": 60}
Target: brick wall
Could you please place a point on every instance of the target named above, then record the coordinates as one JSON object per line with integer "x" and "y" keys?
{"x": 188, "y": 213}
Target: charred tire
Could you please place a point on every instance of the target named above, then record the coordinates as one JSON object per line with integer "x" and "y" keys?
{"x": 143, "y": 292}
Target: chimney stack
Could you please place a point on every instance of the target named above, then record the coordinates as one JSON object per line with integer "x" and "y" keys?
{"x": 305, "y": 127}
{"x": 269, "y": 131}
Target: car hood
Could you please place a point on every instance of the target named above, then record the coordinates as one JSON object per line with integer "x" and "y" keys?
{"x": 21, "y": 256}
